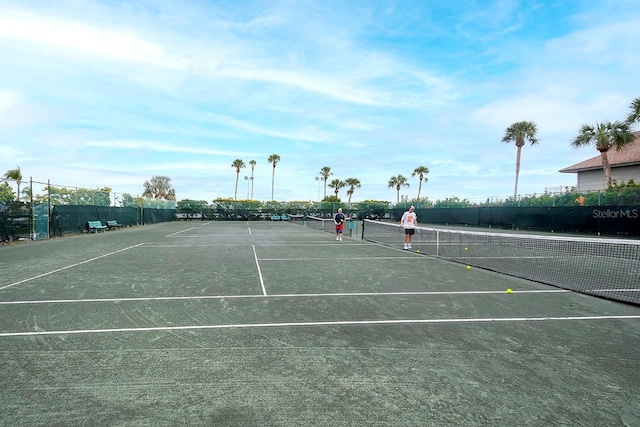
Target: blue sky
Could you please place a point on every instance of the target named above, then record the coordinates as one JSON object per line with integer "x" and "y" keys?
{"x": 108, "y": 93}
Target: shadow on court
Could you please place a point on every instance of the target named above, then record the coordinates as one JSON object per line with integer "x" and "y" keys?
{"x": 236, "y": 323}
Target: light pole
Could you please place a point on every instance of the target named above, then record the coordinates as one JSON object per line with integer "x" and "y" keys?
{"x": 249, "y": 180}
{"x": 319, "y": 179}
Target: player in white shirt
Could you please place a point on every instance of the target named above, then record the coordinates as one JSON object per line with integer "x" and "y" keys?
{"x": 409, "y": 222}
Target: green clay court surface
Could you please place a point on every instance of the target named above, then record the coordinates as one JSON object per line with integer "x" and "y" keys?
{"x": 276, "y": 324}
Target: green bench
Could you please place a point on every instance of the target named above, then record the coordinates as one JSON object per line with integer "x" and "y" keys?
{"x": 113, "y": 224}
{"x": 284, "y": 217}
{"x": 95, "y": 226}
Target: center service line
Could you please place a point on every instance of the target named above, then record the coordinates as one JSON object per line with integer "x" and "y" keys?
{"x": 255, "y": 255}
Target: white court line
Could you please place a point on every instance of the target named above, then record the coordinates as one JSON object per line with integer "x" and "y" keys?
{"x": 615, "y": 290}
{"x": 341, "y": 258}
{"x": 255, "y": 255}
{"x": 308, "y": 324}
{"x": 178, "y": 232}
{"x": 337, "y": 294}
{"x": 151, "y": 245}
{"x": 69, "y": 266}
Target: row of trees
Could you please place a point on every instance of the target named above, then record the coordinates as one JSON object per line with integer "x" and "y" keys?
{"x": 400, "y": 181}
{"x": 623, "y": 194}
{"x": 337, "y": 184}
{"x": 619, "y": 194}
{"x": 223, "y": 208}
{"x": 238, "y": 164}
{"x": 55, "y": 195}
{"x": 604, "y": 136}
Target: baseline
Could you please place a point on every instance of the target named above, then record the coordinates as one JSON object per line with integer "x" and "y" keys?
{"x": 309, "y": 324}
{"x": 337, "y": 294}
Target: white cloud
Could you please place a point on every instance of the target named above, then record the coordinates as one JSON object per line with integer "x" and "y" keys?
{"x": 163, "y": 147}
{"x": 185, "y": 88}
{"x": 10, "y": 152}
{"x": 8, "y": 99}
{"x": 62, "y": 34}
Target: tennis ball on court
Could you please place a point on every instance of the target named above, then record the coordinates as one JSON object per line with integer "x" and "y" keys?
{"x": 509, "y": 291}
{"x": 418, "y": 250}
{"x": 468, "y": 267}
{"x": 466, "y": 249}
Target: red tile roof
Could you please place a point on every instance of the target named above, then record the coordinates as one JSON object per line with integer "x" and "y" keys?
{"x": 627, "y": 157}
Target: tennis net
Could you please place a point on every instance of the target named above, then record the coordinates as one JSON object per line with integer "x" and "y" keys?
{"x": 608, "y": 268}
{"x": 318, "y": 223}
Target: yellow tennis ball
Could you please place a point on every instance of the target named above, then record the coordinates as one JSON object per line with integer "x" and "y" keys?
{"x": 418, "y": 250}
{"x": 468, "y": 267}
{"x": 509, "y": 291}
{"x": 466, "y": 249}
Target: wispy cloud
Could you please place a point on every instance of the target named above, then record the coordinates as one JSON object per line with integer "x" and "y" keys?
{"x": 162, "y": 147}
{"x": 8, "y": 99}
{"x": 56, "y": 33}
{"x": 370, "y": 89}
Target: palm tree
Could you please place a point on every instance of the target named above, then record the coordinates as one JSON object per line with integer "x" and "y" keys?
{"x": 519, "y": 132}
{"x": 325, "y": 173}
{"x": 634, "y": 115}
{"x": 16, "y": 175}
{"x": 337, "y": 185}
{"x": 397, "y": 182}
{"x": 604, "y": 136}
{"x": 421, "y": 171}
{"x": 253, "y": 165}
{"x": 353, "y": 183}
{"x": 273, "y": 159}
{"x": 238, "y": 164}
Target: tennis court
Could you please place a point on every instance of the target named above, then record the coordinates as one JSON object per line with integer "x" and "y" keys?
{"x": 274, "y": 323}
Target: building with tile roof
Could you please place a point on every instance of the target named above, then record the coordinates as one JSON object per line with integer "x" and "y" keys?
{"x": 625, "y": 165}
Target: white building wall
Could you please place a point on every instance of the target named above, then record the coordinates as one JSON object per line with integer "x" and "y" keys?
{"x": 591, "y": 180}
{"x": 626, "y": 173}
{"x": 594, "y": 180}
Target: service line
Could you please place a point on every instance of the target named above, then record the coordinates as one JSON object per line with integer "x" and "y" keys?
{"x": 312, "y": 324}
{"x": 69, "y": 266}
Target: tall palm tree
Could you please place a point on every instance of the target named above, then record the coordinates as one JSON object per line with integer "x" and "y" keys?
{"x": 604, "y": 136}
{"x": 16, "y": 175}
{"x": 520, "y": 132}
{"x": 273, "y": 159}
{"x": 634, "y": 115}
{"x": 253, "y": 165}
{"x": 421, "y": 171}
{"x": 325, "y": 173}
{"x": 353, "y": 183}
{"x": 397, "y": 182}
{"x": 337, "y": 185}
{"x": 237, "y": 164}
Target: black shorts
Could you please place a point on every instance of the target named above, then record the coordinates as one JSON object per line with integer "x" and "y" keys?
{"x": 409, "y": 231}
